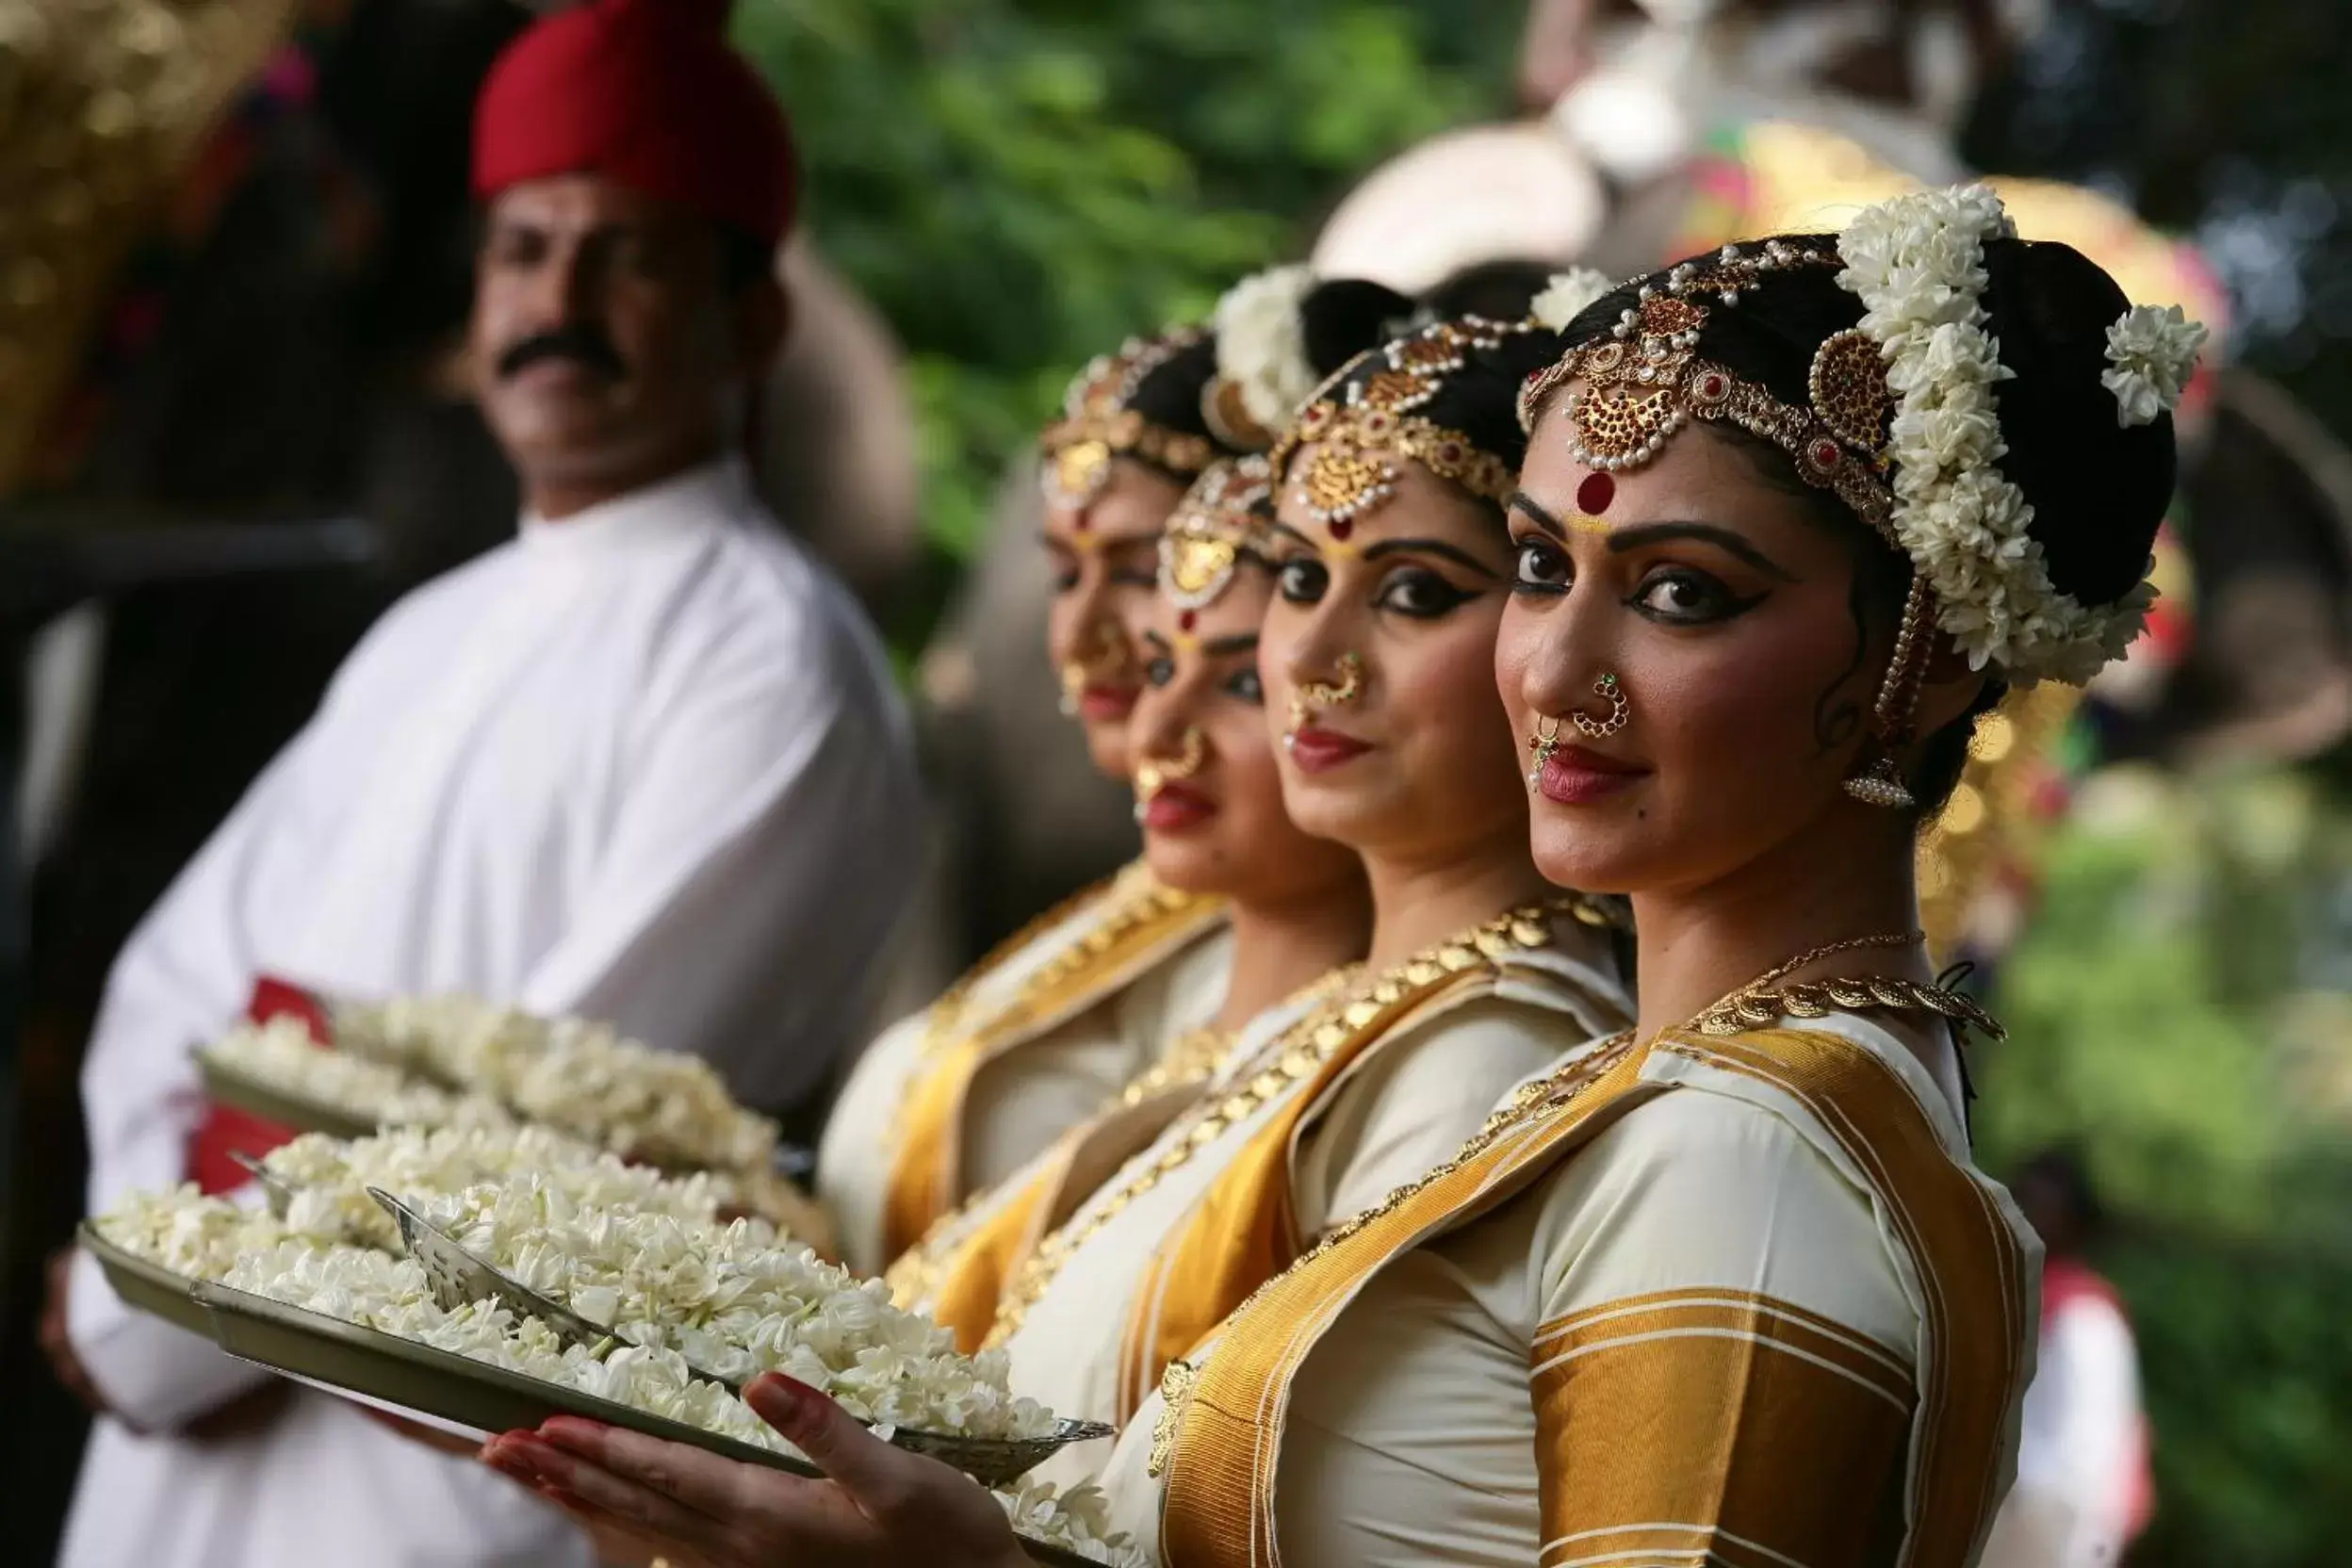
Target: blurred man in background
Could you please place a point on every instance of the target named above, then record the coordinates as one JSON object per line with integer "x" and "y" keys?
{"x": 641, "y": 763}
{"x": 2084, "y": 1490}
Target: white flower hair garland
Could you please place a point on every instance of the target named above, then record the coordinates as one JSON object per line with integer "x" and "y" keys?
{"x": 2151, "y": 353}
{"x": 1262, "y": 343}
{"x": 1917, "y": 263}
{"x": 1566, "y": 295}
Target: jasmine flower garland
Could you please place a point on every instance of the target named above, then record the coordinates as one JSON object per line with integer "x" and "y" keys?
{"x": 1917, "y": 263}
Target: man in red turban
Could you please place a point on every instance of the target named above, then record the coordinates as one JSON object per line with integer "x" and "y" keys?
{"x": 643, "y": 763}
{"x": 637, "y": 178}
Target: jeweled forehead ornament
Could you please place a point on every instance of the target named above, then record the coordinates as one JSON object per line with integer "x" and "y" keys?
{"x": 1221, "y": 519}
{"x": 1362, "y": 423}
{"x": 1097, "y": 424}
{"x": 1627, "y": 394}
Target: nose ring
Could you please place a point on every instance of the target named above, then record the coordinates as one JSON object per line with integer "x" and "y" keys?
{"x": 1154, "y": 774}
{"x": 1545, "y": 741}
{"x": 1312, "y": 696}
{"x": 1609, "y": 690}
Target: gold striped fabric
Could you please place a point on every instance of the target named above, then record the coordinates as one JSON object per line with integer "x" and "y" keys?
{"x": 1973, "y": 1271}
{"x": 1689, "y": 1427}
{"x": 1696, "y": 1426}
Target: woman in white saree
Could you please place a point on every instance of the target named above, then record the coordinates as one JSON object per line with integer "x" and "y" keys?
{"x": 1725, "y": 1287}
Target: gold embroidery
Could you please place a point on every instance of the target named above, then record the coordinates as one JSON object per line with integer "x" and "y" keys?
{"x": 1141, "y": 920}
{"x": 915, "y": 1276}
{"x": 1175, "y": 1395}
{"x": 1278, "y": 1064}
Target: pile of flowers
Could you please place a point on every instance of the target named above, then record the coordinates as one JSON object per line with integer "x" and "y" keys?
{"x": 626, "y": 1248}
{"x": 662, "y": 1107}
{"x": 281, "y": 1054}
{"x": 331, "y": 1177}
{"x": 734, "y": 1304}
{"x": 191, "y": 1235}
{"x": 1077, "y": 1520}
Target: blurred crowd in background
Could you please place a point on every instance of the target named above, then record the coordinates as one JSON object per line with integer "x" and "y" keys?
{"x": 235, "y": 423}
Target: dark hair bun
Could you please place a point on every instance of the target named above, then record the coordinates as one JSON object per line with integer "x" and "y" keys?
{"x": 1169, "y": 395}
{"x": 2099, "y": 489}
{"x": 1497, "y": 290}
{"x": 1342, "y": 316}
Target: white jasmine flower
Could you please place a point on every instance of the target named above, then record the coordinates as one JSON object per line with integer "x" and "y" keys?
{"x": 1566, "y": 295}
{"x": 2152, "y": 353}
{"x": 1077, "y": 1520}
{"x": 282, "y": 1055}
{"x": 1261, "y": 342}
{"x": 1917, "y": 263}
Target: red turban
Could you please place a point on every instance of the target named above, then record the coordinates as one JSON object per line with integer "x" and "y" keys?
{"x": 646, "y": 92}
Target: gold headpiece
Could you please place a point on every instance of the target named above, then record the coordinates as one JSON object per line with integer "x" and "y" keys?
{"x": 1220, "y": 518}
{"x": 1097, "y": 424}
{"x": 1646, "y": 381}
{"x": 1359, "y": 434}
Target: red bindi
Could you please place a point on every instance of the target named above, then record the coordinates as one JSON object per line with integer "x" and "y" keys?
{"x": 1342, "y": 528}
{"x": 1186, "y": 621}
{"x": 1594, "y": 494}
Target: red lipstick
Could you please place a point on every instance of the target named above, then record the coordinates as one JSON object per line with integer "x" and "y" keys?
{"x": 1105, "y": 704}
{"x": 1177, "y": 808}
{"x": 1317, "y": 749}
{"x": 1575, "y": 776}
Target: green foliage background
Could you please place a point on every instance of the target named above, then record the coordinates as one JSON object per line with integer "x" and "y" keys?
{"x": 1018, "y": 187}
{"x": 2178, "y": 1012}
{"x": 1019, "y": 184}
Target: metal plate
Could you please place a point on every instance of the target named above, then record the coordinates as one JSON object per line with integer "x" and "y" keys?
{"x": 148, "y": 1287}
{"x": 388, "y": 1371}
{"x": 231, "y": 1087}
{"x": 458, "y": 1276}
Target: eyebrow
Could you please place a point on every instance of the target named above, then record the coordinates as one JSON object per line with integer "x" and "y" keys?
{"x": 1537, "y": 514}
{"x": 1216, "y": 648}
{"x": 1639, "y": 534}
{"x": 1402, "y": 547}
{"x": 1429, "y": 547}
{"x": 1108, "y": 541}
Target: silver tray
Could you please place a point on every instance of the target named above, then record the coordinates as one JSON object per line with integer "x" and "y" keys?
{"x": 234, "y": 1088}
{"x": 148, "y": 1287}
{"x": 388, "y": 1371}
{"x": 459, "y": 1276}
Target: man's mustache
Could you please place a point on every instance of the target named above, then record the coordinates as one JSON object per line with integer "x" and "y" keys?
{"x": 579, "y": 342}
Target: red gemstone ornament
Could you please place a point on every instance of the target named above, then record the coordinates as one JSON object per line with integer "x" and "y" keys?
{"x": 1342, "y": 528}
{"x": 1186, "y": 621}
{"x": 1594, "y": 494}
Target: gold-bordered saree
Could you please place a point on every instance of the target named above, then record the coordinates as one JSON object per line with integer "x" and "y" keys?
{"x": 1672, "y": 1426}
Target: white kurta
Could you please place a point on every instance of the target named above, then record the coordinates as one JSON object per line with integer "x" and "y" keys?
{"x": 1026, "y": 1098}
{"x": 642, "y": 764}
{"x": 1403, "y": 1104}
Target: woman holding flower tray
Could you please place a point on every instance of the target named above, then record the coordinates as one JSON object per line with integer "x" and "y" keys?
{"x": 1725, "y": 1286}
